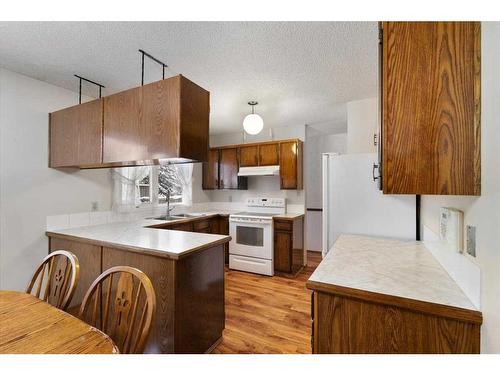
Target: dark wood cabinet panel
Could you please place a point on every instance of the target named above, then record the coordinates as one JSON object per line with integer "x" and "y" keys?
{"x": 283, "y": 251}
{"x": 269, "y": 154}
{"x": 224, "y": 229}
{"x": 201, "y": 226}
{"x": 344, "y": 325}
{"x": 288, "y": 245}
{"x": 75, "y": 135}
{"x": 142, "y": 123}
{"x": 194, "y": 120}
{"x": 431, "y": 108}
{"x": 249, "y": 156}
{"x": 89, "y": 257}
{"x": 228, "y": 168}
{"x": 186, "y": 227}
{"x": 287, "y": 154}
{"x": 291, "y": 165}
{"x": 164, "y": 120}
{"x": 211, "y": 170}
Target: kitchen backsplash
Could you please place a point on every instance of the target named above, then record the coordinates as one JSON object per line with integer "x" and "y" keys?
{"x": 82, "y": 219}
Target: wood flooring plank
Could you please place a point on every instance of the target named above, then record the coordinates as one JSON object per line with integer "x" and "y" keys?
{"x": 268, "y": 315}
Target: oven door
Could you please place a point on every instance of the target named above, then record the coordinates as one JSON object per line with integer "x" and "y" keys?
{"x": 251, "y": 239}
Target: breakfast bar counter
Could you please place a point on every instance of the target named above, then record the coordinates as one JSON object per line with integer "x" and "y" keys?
{"x": 186, "y": 269}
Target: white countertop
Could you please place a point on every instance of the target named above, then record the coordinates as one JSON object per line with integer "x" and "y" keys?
{"x": 392, "y": 267}
{"x": 133, "y": 235}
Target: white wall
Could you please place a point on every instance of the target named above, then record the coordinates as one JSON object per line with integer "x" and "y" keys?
{"x": 483, "y": 211}
{"x": 29, "y": 190}
{"x": 362, "y": 123}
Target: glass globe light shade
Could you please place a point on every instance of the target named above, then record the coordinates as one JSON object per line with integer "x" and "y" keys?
{"x": 253, "y": 124}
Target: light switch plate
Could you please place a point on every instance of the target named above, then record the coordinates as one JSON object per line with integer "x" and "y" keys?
{"x": 451, "y": 228}
{"x": 471, "y": 240}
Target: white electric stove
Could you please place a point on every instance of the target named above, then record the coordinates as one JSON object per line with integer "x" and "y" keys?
{"x": 251, "y": 246}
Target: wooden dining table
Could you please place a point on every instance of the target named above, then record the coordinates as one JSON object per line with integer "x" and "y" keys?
{"x": 29, "y": 325}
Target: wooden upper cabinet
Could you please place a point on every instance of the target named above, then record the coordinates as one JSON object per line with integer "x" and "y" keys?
{"x": 75, "y": 135}
{"x": 249, "y": 156}
{"x": 228, "y": 168}
{"x": 162, "y": 120}
{"x": 291, "y": 165}
{"x": 167, "y": 119}
{"x": 211, "y": 170}
{"x": 431, "y": 108}
{"x": 269, "y": 154}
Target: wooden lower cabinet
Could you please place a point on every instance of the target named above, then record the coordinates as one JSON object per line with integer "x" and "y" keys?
{"x": 190, "y": 310}
{"x": 89, "y": 257}
{"x": 347, "y": 325}
{"x": 288, "y": 245}
{"x": 224, "y": 229}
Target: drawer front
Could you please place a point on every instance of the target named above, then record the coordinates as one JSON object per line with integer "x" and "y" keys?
{"x": 248, "y": 264}
{"x": 283, "y": 225}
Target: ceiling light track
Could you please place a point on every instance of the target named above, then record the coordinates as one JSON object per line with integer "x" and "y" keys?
{"x": 80, "y": 78}
{"x": 163, "y": 65}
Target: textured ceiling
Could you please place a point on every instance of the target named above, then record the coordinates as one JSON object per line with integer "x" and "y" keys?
{"x": 300, "y": 72}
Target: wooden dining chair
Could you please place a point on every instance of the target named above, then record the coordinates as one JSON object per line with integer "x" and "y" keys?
{"x": 58, "y": 277}
{"x": 121, "y": 302}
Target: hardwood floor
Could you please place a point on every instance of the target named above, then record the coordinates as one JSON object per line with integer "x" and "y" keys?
{"x": 268, "y": 314}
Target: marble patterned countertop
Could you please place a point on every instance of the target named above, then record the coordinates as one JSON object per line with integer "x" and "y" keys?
{"x": 136, "y": 236}
{"x": 142, "y": 236}
{"x": 392, "y": 267}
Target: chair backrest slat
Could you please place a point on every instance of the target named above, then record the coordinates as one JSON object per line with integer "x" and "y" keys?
{"x": 106, "y": 307}
{"x": 123, "y": 301}
{"x": 61, "y": 281}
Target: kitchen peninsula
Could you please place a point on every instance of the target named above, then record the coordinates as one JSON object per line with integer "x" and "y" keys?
{"x": 186, "y": 269}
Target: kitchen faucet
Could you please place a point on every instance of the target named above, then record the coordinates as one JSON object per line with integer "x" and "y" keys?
{"x": 168, "y": 204}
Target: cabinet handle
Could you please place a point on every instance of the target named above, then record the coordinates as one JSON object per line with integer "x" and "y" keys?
{"x": 221, "y": 183}
{"x": 375, "y": 166}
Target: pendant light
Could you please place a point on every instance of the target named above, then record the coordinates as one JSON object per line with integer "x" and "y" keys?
{"x": 253, "y": 123}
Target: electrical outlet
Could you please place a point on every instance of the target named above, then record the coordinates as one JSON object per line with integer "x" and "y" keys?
{"x": 471, "y": 240}
{"x": 230, "y": 199}
{"x": 94, "y": 206}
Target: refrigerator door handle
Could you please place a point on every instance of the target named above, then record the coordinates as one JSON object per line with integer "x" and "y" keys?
{"x": 375, "y": 166}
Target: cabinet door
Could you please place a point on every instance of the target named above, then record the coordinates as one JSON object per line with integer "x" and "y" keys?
{"x": 76, "y": 135}
{"x": 186, "y": 227}
{"x": 202, "y": 226}
{"x": 282, "y": 251}
{"x": 248, "y": 156}
{"x": 89, "y": 257}
{"x": 289, "y": 166}
{"x": 269, "y": 154}
{"x": 228, "y": 168}
{"x": 211, "y": 170}
{"x": 224, "y": 229}
{"x": 431, "y": 108}
{"x": 142, "y": 123}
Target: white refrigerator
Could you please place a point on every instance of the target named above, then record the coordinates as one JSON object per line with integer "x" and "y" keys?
{"x": 353, "y": 203}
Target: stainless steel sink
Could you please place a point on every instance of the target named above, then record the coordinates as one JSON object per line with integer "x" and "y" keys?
{"x": 166, "y": 218}
{"x": 176, "y": 217}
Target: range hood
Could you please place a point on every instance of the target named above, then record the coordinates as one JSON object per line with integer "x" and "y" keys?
{"x": 268, "y": 170}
